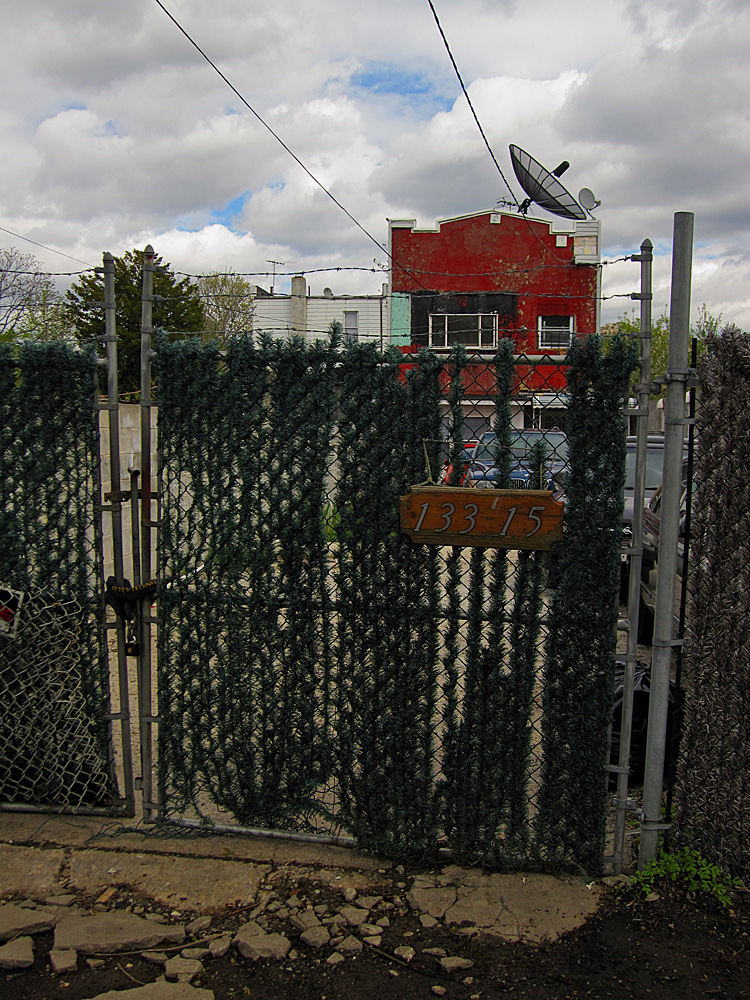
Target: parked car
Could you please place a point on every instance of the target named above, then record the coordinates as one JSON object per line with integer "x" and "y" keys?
{"x": 482, "y": 472}
{"x": 654, "y": 465}
{"x": 467, "y": 453}
{"x": 650, "y": 564}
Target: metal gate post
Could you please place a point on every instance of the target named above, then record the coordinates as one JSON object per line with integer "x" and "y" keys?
{"x": 676, "y": 382}
{"x": 115, "y": 507}
{"x": 147, "y": 522}
{"x": 636, "y": 552}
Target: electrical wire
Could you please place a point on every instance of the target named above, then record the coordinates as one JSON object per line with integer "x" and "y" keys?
{"x": 481, "y": 130}
{"x": 51, "y": 250}
{"x": 468, "y": 101}
{"x": 265, "y": 125}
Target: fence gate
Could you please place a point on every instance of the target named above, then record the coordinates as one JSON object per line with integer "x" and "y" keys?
{"x": 56, "y": 748}
{"x": 320, "y": 674}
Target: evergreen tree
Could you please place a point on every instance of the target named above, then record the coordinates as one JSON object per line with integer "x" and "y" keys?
{"x": 177, "y": 306}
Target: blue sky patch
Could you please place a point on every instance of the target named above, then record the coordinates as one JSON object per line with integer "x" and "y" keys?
{"x": 226, "y": 216}
{"x": 388, "y": 80}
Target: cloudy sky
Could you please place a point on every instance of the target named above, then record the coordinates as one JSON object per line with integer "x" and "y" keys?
{"x": 116, "y": 132}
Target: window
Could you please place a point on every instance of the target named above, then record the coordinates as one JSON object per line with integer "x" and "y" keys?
{"x": 351, "y": 326}
{"x": 555, "y": 332}
{"x": 469, "y": 329}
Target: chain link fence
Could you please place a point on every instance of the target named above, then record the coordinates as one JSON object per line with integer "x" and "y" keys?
{"x": 320, "y": 673}
{"x": 55, "y": 749}
{"x": 712, "y": 798}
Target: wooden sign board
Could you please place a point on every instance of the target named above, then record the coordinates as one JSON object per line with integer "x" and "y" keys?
{"x": 494, "y": 519}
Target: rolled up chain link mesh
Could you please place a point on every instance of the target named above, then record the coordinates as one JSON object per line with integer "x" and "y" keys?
{"x": 320, "y": 673}
{"x": 712, "y": 800}
{"x": 54, "y": 684}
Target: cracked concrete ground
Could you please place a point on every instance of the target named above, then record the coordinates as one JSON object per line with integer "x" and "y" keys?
{"x": 56, "y": 862}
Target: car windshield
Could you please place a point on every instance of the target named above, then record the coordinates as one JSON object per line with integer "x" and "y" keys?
{"x": 521, "y": 445}
{"x": 654, "y": 462}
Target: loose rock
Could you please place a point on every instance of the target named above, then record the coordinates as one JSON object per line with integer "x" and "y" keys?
{"x": 252, "y": 942}
{"x": 350, "y": 945}
{"x": 315, "y": 937}
{"x": 220, "y": 946}
{"x": 452, "y": 963}
{"x": 20, "y": 919}
{"x": 18, "y": 954}
{"x": 182, "y": 970}
{"x": 199, "y": 925}
{"x": 303, "y": 921}
{"x": 353, "y": 915}
{"x": 63, "y": 960}
{"x": 405, "y": 951}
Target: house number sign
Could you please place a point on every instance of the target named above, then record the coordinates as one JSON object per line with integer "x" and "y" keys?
{"x": 494, "y": 519}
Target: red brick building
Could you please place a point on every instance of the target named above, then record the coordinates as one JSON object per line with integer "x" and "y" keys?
{"x": 479, "y": 277}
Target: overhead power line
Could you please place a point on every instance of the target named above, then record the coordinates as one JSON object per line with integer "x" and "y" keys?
{"x": 468, "y": 101}
{"x": 481, "y": 130}
{"x": 265, "y": 125}
{"x": 51, "y": 249}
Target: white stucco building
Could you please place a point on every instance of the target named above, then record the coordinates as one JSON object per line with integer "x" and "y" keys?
{"x": 364, "y": 318}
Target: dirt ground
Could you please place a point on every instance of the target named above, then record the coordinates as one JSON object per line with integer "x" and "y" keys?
{"x": 673, "y": 946}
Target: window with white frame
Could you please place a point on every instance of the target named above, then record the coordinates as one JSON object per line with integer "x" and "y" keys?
{"x": 469, "y": 329}
{"x": 351, "y": 326}
{"x": 555, "y": 332}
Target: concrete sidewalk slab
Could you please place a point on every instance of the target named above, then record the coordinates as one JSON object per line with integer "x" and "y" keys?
{"x": 159, "y": 991}
{"x": 30, "y": 870}
{"x": 178, "y": 882}
{"x": 107, "y": 933}
{"x": 132, "y": 835}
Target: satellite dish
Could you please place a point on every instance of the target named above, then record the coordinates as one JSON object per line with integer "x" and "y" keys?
{"x": 543, "y": 187}
{"x": 588, "y": 199}
{"x": 328, "y": 292}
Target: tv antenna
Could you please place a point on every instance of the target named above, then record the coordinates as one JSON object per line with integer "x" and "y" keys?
{"x": 543, "y": 187}
{"x": 280, "y": 263}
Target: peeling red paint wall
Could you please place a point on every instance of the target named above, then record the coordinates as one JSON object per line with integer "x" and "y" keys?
{"x": 497, "y": 252}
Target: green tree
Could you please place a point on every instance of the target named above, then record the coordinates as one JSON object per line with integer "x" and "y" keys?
{"x": 228, "y": 304}
{"x": 177, "y": 307}
{"x": 47, "y": 319}
{"x": 706, "y": 323}
{"x": 24, "y": 287}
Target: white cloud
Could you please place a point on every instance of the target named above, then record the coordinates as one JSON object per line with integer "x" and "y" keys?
{"x": 119, "y": 133}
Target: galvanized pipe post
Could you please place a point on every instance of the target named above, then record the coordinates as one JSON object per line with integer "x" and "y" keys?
{"x": 635, "y": 559}
{"x": 147, "y": 521}
{"x": 661, "y": 662}
{"x": 110, "y": 340}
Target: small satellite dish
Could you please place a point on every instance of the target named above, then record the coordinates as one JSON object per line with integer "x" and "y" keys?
{"x": 543, "y": 187}
{"x": 328, "y": 292}
{"x": 588, "y": 199}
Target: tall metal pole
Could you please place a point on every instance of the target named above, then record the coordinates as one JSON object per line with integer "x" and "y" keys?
{"x": 144, "y": 605}
{"x": 636, "y": 552}
{"x": 110, "y": 339}
{"x": 661, "y": 661}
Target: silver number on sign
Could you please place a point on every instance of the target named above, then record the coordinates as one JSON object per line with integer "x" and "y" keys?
{"x": 447, "y": 517}
{"x": 534, "y": 517}
{"x": 511, "y": 515}
{"x": 421, "y": 516}
{"x": 470, "y": 517}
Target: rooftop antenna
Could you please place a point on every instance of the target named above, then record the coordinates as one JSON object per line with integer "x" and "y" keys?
{"x": 543, "y": 187}
{"x": 281, "y": 263}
